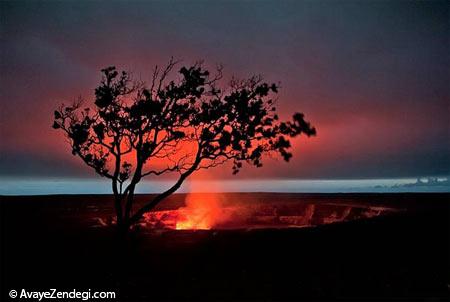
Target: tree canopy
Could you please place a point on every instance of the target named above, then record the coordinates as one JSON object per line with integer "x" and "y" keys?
{"x": 174, "y": 126}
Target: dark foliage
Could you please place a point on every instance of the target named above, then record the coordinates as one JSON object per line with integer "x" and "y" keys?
{"x": 191, "y": 124}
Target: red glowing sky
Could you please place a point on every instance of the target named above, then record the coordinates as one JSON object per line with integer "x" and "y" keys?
{"x": 372, "y": 77}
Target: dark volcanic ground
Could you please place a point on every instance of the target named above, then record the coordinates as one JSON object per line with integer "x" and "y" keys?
{"x": 48, "y": 242}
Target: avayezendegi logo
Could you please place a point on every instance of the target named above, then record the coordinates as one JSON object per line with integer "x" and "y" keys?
{"x": 55, "y": 294}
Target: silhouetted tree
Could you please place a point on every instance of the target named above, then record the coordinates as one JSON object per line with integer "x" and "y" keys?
{"x": 172, "y": 126}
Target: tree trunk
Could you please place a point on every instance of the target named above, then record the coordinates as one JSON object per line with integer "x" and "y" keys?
{"x": 118, "y": 208}
{"x": 129, "y": 202}
{"x": 152, "y": 204}
{"x": 123, "y": 227}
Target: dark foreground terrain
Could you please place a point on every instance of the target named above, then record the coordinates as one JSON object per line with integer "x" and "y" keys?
{"x": 49, "y": 242}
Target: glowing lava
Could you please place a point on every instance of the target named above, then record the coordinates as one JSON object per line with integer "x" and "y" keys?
{"x": 212, "y": 211}
{"x": 201, "y": 212}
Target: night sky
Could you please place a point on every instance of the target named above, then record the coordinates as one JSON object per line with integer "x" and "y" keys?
{"x": 373, "y": 77}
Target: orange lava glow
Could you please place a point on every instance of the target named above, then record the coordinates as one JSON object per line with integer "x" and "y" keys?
{"x": 201, "y": 212}
{"x": 213, "y": 213}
